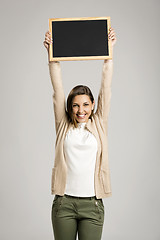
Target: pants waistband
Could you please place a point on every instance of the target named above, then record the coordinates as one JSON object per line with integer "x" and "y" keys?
{"x": 69, "y": 196}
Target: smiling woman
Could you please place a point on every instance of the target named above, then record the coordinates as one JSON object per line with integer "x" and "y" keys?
{"x": 80, "y": 104}
{"x": 80, "y": 176}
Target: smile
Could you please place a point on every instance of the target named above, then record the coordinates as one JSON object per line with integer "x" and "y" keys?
{"x": 81, "y": 116}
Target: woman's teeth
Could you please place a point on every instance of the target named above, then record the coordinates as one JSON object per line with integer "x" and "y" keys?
{"x": 81, "y": 116}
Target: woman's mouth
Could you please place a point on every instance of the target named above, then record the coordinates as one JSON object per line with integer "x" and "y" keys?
{"x": 81, "y": 116}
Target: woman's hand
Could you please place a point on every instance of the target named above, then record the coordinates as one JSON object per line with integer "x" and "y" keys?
{"x": 112, "y": 36}
{"x": 48, "y": 40}
{"x": 113, "y": 39}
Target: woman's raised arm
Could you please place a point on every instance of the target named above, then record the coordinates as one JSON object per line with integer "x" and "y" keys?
{"x": 56, "y": 80}
{"x": 104, "y": 96}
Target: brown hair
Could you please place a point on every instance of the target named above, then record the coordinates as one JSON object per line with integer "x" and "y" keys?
{"x": 77, "y": 90}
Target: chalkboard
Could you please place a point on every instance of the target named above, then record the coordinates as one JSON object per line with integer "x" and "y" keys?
{"x": 79, "y": 39}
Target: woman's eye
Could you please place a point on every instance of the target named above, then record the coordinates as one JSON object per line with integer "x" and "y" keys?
{"x": 86, "y": 104}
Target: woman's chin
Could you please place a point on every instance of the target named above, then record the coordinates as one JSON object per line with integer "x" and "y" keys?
{"x": 81, "y": 120}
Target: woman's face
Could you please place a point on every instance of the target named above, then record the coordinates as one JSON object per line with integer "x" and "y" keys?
{"x": 82, "y": 108}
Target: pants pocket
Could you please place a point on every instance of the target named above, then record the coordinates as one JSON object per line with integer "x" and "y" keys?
{"x": 99, "y": 208}
{"x": 57, "y": 203}
{"x": 101, "y": 203}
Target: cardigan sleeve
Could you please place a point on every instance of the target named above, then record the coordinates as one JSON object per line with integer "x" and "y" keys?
{"x": 58, "y": 94}
{"x": 104, "y": 96}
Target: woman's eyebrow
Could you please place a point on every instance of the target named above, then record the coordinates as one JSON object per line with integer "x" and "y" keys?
{"x": 77, "y": 103}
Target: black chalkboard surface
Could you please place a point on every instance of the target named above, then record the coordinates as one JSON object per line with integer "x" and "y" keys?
{"x": 79, "y": 39}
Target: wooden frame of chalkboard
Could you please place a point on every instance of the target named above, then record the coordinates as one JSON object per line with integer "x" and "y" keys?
{"x": 84, "y": 38}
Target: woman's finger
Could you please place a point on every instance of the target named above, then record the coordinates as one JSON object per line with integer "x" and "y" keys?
{"x": 112, "y": 32}
{"x": 45, "y": 44}
{"x": 47, "y": 33}
{"x": 48, "y": 40}
{"x": 112, "y": 35}
{"x": 48, "y": 36}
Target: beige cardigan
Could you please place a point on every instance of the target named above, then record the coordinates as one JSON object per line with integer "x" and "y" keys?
{"x": 98, "y": 127}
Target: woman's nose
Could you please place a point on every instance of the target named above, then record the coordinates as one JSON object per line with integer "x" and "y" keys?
{"x": 80, "y": 110}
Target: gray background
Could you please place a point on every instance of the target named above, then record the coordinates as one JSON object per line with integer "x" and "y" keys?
{"x": 27, "y": 118}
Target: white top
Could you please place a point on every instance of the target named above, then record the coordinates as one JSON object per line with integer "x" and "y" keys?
{"x": 80, "y": 149}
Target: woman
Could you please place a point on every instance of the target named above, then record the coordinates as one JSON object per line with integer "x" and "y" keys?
{"x": 81, "y": 175}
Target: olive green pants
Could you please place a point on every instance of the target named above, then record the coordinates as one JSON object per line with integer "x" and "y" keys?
{"x": 71, "y": 215}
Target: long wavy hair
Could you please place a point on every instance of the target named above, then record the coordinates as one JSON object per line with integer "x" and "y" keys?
{"x": 77, "y": 90}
